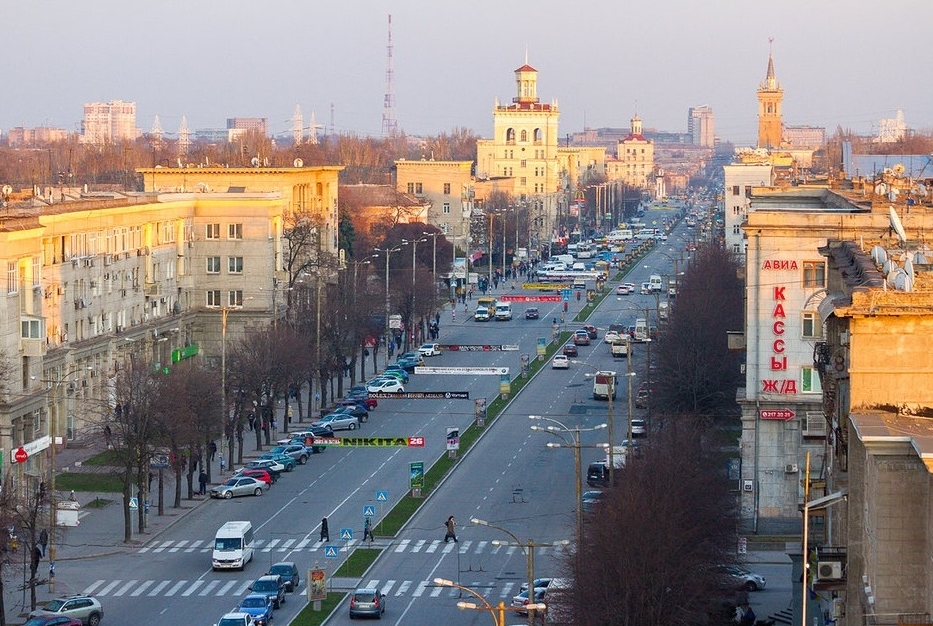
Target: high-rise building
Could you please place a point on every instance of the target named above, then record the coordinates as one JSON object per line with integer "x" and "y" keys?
{"x": 700, "y": 126}
{"x": 260, "y": 124}
{"x": 770, "y": 122}
{"x": 109, "y": 122}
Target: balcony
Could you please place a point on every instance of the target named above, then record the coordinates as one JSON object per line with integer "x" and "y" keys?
{"x": 153, "y": 290}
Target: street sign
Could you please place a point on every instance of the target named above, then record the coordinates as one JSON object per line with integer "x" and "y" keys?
{"x": 330, "y": 552}
{"x": 159, "y": 461}
{"x": 460, "y": 371}
{"x": 546, "y": 286}
{"x": 479, "y": 348}
{"x": 346, "y": 534}
{"x": 369, "y": 510}
{"x": 20, "y": 456}
{"x": 422, "y": 395}
{"x": 554, "y": 298}
{"x": 416, "y": 475}
{"x": 777, "y": 414}
{"x": 370, "y": 442}
{"x": 134, "y": 504}
{"x": 382, "y": 496}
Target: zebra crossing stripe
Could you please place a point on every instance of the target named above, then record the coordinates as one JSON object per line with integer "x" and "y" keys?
{"x": 109, "y": 587}
{"x": 406, "y": 584}
{"x": 176, "y": 587}
{"x": 208, "y": 587}
{"x": 179, "y": 546}
{"x": 433, "y": 547}
{"x": 125, "y": 588}
{"x": 402, "y": 545}
{"x": 97, "y": 583}
{"x": 194, "y": 587}
{"x": 223, "y": 590}
{"x": 388, "y": 587}
{"x": 158, "y": 588}
{"x": 142, "y": 588}
{"x": 480, "y": 546}
{"x": 419, "y": 590}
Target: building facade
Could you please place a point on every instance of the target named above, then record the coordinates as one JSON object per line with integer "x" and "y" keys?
{"x": 635, "y": 155}
{"x": 448, "y": 188}
{"x": 700, "y": 126}
{"x": 524, "y": 146}
{"x": 739, "y": 179}
{"x": 109, "y": 122}
{"x": 770, "y": 115}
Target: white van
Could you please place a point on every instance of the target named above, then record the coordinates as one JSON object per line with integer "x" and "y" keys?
{"x": 604, "y": 385}
{"x": 566, "y": 259}
{"x": 503, "y": 312}
{"x": 233, "y": 546}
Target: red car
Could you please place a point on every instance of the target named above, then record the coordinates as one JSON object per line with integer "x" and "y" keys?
{"x": 570, "y": 350}
{"x": 581, "y": 338}
{"x": 259, "y": 474}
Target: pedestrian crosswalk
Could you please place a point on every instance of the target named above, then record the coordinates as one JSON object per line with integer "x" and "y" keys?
{"x": 491, "y": 589}
{"x": 310, "y": 545}
{"x": 222, "y": 585}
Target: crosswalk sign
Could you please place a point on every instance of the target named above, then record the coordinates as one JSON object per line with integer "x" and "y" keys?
{"x": 346, "y": 534}
{"x": 382, "y": 496}
{"x": 369, "y": 511}
{"x": 134, "y": 504}
{"x": 330, "y": 552}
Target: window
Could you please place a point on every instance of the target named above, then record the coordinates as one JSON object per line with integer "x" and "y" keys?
{"x": 522, "y": 181}
{"x": 235, "y": 298}
{"x": 523, "y": 163}
{"x": 12, "y": 284}
{"x": 213, "y": 298}
{"x": 810, "y": 381}
{"x": 32, "y": 329}
{"x": 814, "y": 274}
{"x": 234, "y": 231}
{"x": 510, "y": 135}
{"x": 811, "y": 325}
{"x": 411, "y": 187}
{"x": 736, "y": 190}
{"x": 213, "y": 265}
{"x": 446, "y": 208}
{"x": 524, "y": 135}
{"x": 235, "y": 265}
{"x": 212, "y": 231}
{"x": 419, "y": 188}
{"x": 446, "y": 189}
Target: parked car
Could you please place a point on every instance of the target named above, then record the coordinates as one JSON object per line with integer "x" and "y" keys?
{"x": 271, "y": 586}
{"x": 560, "y": 362}
{"x": 367, "y": 602}
{"x": 531, "y": 313}
{"x": 80, "y": 607}
{"x": 411, "y": 355}
{"x": 236, "y": 619}
{"x": 589, "y": 499}
{"x": 284, "y": 460}
{"x": 260, "y": 474}
{"x": 355, "y": 410}
{"x": 409, "y": 365}
{"x": 538, "y": 583}
{"x": 259, "y": 606}
{"x": 273, "y": 467}
{"x": 386, "y": 386}
{"x": 430, "y": 349}
{"x": 398, "y": 372}
{"x": 571, "y": 350}
{"x": 338, "y": 421}
{"x": 289, "y": 573}
{"x": 741, "y": 578}
{"x": 639, "y": 428}
{"x": 295, "y": 451}
{"x": 239, "y": 486}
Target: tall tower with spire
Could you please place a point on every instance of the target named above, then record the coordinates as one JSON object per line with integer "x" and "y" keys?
{"x": 770, "y": 97}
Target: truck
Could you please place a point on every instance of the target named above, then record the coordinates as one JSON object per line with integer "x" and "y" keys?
{"x": 641, "y": 330}
{"x": 654, "y": 282}
{"x": 620, "y": 347}
{"x": 604, "y": 385}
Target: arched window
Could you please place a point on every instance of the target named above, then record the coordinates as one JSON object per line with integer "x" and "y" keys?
{"x": 537, "y": 135}
{"x": 524, "y": 135}
{"x": 510, "y": 135}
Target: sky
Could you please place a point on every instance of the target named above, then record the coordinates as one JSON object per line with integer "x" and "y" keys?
{"x": 845, "y": 63}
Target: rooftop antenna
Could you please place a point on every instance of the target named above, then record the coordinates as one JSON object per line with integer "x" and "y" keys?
{"x": 389, "y": 123}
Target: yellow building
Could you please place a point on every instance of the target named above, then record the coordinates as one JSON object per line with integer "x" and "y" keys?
{"x": 447, "y": 186}
{"x": 634, "y": 164}
{"x": 770, "y": 122}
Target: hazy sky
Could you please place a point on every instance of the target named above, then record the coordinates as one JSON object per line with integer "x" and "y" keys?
{"x": 841, "y": 62}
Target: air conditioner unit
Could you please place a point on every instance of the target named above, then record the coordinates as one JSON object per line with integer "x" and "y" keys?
{"x": 72, "y": 386}
{"x": 829, "y": 570}
{"x": 119, "y": 329}
{"x": 93, "y": 373}
{"x": 790, "y": 468}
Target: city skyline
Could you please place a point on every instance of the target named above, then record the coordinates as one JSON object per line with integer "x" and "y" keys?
{"x": 451, "y": 66}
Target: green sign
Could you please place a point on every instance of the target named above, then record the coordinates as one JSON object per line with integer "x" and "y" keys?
{"x": 184, "y": 353}
{"x": 416, "y": 475}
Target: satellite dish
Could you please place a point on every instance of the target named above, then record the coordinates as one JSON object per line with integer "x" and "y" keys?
{"x": 896, "y": 224}
{"x": 909, "y": 268}
{"x": 7, "y": 190}
{"x": 920, "y": 258}
{"x": 265, "y": 162}
{"x": 298, "y": 163}
{"x": 900, "y": 280}
{"x": 898, "y": 169}
{"x": 888, "y": 266}
{"x": 879, "y": 255}
{"x": 254, "y": 161}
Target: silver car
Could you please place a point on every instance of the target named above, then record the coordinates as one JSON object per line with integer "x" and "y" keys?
{"x": 238, "y": 486}
{"x": 338, "y": 421}
{"x": 367, "y": 602}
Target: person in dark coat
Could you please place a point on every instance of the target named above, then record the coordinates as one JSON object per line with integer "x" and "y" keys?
{"x": 202, "y": 481}
{"x": 451, "y": 526}
{"x": 325, "y": 532}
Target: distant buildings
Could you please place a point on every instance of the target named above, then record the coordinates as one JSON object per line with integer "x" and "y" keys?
{"x": 700, "y": 126}
{"x": 109, "y": 122}
{"x": 891, "y": 130}
{"x": 770, "y": 122}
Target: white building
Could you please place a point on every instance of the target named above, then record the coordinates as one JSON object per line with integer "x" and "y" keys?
{"x": 109, "y": 122}
{"x": 739, "y": 180}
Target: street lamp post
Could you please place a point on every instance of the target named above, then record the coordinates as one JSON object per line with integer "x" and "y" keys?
{"x": 414, "y": 248}
{"x": 497, "y": 612}
{"x": 434, "y": 237}
{"x": 559, "y": 431}
{"x": 388, "y": 253}
{"x": 609, "y": 413}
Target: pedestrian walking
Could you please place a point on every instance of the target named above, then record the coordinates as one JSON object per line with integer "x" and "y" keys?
{"x": 451, "y": 526}
{"x": 108, "y": 436}
{"x": 325, "y": 531}
{"x": 367, "y": 531}
{"x": 212, "y": 451}
{"x": 43, "y": 540}
{"x": 453, "y": 312}
{"x": 202, "y": 482}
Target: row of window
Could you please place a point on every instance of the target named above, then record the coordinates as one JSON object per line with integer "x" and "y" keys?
{"x": 523, "y": 135}
{"x": 234, "y": 231}
{"x": 234, "y": 265}
{"x": 214, "y": 298}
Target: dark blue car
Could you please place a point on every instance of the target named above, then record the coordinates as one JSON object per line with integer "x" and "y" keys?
{"x": 259, "y": 605}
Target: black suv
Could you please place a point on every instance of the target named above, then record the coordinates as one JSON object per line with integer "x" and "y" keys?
{"x": 531, "y": 313}
{"x": 272, "y": 586}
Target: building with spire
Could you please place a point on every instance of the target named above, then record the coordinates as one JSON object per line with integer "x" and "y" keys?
{"x": 635, "y": 156}
{"x": 770, "y": 97}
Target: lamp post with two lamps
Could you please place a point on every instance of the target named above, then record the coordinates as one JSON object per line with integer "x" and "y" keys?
{"x": 559, "y": 430}
{"x": 414, "y": 249}
{"x": 388, "y": 252}
{"x": 434, "y": 237}
{"x": 497, "y": 612}
{"x": 528, "y": 548}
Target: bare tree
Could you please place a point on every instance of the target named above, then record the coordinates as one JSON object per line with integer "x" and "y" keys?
{"x": 652, "y": 543}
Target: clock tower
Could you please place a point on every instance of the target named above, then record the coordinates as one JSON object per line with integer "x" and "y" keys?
{"x": 770, "y": 96}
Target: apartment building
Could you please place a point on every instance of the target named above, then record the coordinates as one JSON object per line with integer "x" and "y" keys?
{"x": 739, "y": 180}
{"x": 700, "y": 126}
{"x": 447, "y": 187}
{"x": 109, "y": 122}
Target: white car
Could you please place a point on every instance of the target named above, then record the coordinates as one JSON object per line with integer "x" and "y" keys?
{"x": 623, "y": 290}
{"x": 430, "y": 349}
{"x": 386, "y": 385}
{"x": 612, "y": 337}
{"x": 560, "y": 362}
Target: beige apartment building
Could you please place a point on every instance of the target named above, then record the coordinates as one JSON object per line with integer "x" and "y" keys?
{"x": 839, "y": 313}
{"x": 91, "y": 282}
{"x": 109, "y": 122}
{"x": 448, "y": 189}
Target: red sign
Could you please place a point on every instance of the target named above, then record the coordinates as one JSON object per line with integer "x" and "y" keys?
{"x": 416, "y": 442}
{"x": 777, "y": 414}
{"x": 20, "y": 455}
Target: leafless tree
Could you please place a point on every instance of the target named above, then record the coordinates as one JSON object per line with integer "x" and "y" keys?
{"x": 652, "y": 543}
